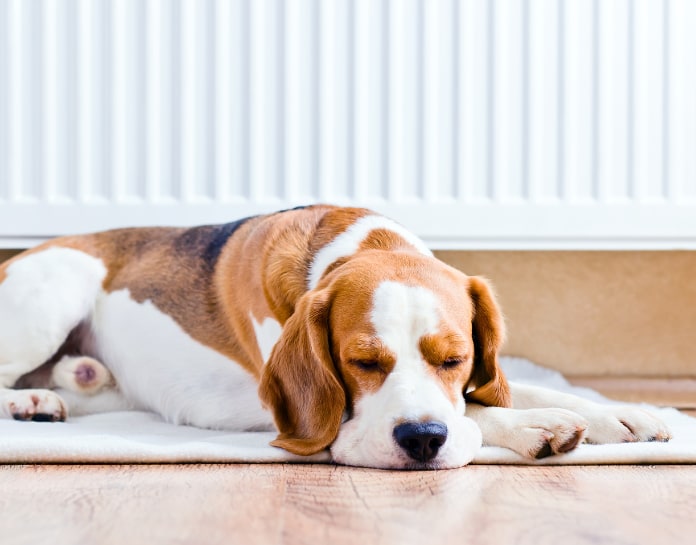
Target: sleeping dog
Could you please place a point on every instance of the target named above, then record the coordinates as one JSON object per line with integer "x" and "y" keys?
{"x": 334, "y": 326}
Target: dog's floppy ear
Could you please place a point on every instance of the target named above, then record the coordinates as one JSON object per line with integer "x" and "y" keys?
{"x": 300, "y": 384}
{"x": 488, "y": 331}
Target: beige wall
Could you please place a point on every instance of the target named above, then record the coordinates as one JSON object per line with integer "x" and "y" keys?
{"x": 593, "y": 313}
{"x": 625, "y": 313}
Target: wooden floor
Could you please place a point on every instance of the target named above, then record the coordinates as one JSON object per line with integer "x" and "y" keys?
{"x": 315, "y": 504}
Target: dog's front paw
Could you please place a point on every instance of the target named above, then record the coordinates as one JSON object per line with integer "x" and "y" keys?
{"x": 539, "y": 433}
{"x": 621, "y": 424}
{"x": 37, "y": 405}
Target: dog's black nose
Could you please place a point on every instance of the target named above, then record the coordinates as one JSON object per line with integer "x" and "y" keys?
{"x": 421, "y": 440}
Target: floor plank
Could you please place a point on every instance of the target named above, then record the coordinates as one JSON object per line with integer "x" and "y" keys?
{"x": 315, "y": 504}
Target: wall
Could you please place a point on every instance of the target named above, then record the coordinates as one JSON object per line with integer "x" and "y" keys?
{"x": 595, "y": 313}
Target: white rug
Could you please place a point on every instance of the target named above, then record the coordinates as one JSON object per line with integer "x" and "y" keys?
{"x": 136, "y": 437}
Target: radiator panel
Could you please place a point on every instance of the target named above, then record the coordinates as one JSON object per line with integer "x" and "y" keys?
{"x": 479, "y": 124}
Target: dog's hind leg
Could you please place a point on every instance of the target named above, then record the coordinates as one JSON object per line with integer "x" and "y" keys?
{"x": 81, "y": 374}
{"x": 44, "y": 295}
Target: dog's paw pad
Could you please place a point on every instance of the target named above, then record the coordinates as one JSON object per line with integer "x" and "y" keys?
{"x": 572, "y": 440}
{"x": 81, "y": 374}
{"x": 544, "y": 451}
{"x": 626, "y": 425}
{"x": 544, "y": 432}
{"x": 36, "y": 405}
{"x": 562, "y": 441}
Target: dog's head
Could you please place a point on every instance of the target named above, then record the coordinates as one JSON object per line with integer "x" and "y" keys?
{"x": 377, "y": 360}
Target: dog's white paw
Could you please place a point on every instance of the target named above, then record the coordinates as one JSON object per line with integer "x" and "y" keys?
{"x": 538, "y": 433}
{"x": 620, "y": 424}
{"x": 37, "y": 405}
{"x": 81, "y": 374}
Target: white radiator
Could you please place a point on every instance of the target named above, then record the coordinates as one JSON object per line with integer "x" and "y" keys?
{"x": 479, "y": 124}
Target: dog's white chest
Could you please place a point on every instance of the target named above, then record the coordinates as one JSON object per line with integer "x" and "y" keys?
{"x": 267, "y": 334}
{"x": 160, "y": 367}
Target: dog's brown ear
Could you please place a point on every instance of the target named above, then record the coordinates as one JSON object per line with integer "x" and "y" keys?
{"x": 488, "y": 331}
{"x": 300, "y": 384}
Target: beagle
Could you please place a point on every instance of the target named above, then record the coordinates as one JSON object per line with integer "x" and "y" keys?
{"x": 335, "y": 326}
